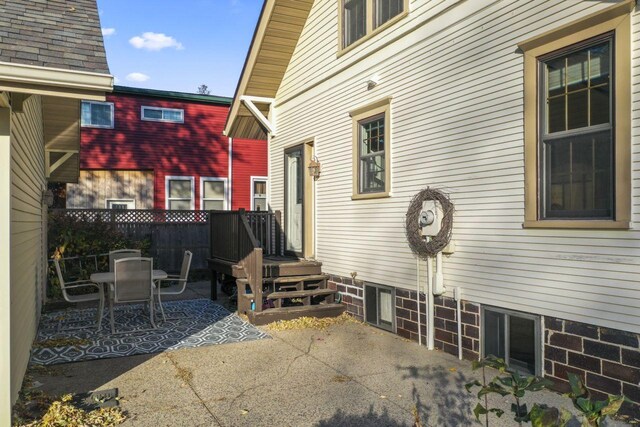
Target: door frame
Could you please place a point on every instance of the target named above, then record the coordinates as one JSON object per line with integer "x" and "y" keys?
{"x": 308, "y": 198}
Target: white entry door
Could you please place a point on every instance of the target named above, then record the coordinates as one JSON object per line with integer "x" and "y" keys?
{"x": 294, "y": 199}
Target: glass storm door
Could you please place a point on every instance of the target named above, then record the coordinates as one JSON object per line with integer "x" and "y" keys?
{"x": 294, "y": 199}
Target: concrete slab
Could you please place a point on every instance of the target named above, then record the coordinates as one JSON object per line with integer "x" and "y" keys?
{"x": 348, "y": 375}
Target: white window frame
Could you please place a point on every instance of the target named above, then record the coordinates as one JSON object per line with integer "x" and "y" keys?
{"x": 378, "y": 288}
{"x": 266, "y": 196}
{"x": 167, "y": 199}
{"x": 108, "y": 201}
{"x": 538, "y": 334}
{"x": 226, "y": 191}
{"x": 89, "y": 125}
{"x": 149, "y": 107}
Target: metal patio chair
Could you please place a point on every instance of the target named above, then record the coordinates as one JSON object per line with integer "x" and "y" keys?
{"x": 179, "y": 281}
{"x": 133, "y": 282}
{"x": 122, "y": 253}
{"x": 65, "y": 286}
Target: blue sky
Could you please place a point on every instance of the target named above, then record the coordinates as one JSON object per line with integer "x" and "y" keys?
{"x": 178, "y": 45}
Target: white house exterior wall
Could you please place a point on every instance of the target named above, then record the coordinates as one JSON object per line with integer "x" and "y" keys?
{"x": 455, "y": 77}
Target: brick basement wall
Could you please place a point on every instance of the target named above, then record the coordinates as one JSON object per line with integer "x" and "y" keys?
{"x": 352, "y": 291}
{"x": 607, "y": 360}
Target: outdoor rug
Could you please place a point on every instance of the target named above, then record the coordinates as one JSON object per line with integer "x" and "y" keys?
{"x": 71, "y": 336}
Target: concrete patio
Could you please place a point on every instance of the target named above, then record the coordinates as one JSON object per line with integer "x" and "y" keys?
{"x": 349, "y": 375}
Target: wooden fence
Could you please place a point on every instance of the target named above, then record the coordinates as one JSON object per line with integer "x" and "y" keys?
{"x": 170, "y": 232}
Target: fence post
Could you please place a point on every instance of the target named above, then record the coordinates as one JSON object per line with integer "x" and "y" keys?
{"x": 279, "y": 246}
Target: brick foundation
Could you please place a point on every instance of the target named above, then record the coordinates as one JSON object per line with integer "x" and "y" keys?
{"x": 607, "y": 360}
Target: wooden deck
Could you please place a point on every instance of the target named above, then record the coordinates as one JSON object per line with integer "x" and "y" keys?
{"x": 272, "y": 266}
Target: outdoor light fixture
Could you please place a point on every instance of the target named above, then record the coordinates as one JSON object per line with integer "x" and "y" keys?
{"x": 47, "y": 197}
{"x": 314, "y": 168}
{"x": 373, "y": 82}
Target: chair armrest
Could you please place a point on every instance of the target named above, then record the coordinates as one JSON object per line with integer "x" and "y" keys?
{"x": 81, "y": 284}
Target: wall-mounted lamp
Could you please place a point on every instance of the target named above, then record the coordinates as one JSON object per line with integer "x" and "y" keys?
{"x": 47, "y": 197}
{"x": 314, "y": 168}
{"x": 373, "y": 82}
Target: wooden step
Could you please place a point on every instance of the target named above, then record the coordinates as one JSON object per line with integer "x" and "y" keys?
{"x": 301, "y": 294}
{"x": 288, "y": 313}
{"x": 295, "y": 279}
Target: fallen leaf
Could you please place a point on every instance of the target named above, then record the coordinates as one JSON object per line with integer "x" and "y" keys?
{"x": 383, "y": 396}
{"x": 453, "y": 370}
{"x": 244, "y": 412}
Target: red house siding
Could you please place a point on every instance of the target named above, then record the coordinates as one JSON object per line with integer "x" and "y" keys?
{"x": 248, "y": 161}
{"x": 195, "y": 148}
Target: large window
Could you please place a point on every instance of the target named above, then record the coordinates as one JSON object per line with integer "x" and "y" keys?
{"x": 172, "y": 115}
{"x": 371, "y": 151}
{"x": 96, "y": 114}
{"x": 514, "y": 337}
{"x": 577, "y": 132}
{"x": 179, "y": 190}
{"x": 360, "y": 18}
{"x": 577, "y": 122}
{"x": 214, "y": 194}
{"x": 258, "y": 193}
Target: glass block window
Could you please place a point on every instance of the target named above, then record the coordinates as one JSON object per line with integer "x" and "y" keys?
{"x": 372, "y": 155}
{"x": 214, "y": 192}
{"x": 171, "y": 115}
{"x": 96, "y": 114}
{"x": 577, "y": 132}
{"x": 179, "y": 193}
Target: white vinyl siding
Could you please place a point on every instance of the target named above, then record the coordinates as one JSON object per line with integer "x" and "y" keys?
{"x": 28, "y": 222}
{"x": 456, "y": 82}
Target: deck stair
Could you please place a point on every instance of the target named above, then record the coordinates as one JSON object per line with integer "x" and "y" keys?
{"x": 271, "y": 286}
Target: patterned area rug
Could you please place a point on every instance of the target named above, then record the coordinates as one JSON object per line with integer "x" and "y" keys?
{"x": 71, "y": 336}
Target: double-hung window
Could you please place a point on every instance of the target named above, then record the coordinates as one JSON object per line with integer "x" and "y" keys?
{"x": 360, "y": 18}
{"x": 96, "y": 114}
{"x": 214, "y": 194}
{"x": 577, "y": 111}
{"x": 258, "y": 193}
{"x": 371, "y": 151}
{"x": 180, "y": 192}
{"x": 157, "y": 114}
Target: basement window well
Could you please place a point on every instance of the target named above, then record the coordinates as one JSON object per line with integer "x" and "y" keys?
{"x": 514, "y": 337}
{"x": 379, "y": 306}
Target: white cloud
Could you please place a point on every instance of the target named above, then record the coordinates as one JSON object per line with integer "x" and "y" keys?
{"x": 137, "y": 77}
{"x": 106, "y": 32}
{"x": 154, "y": 41}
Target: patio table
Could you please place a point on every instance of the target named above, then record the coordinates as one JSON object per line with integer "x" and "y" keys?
{"x": 109, "y": 276}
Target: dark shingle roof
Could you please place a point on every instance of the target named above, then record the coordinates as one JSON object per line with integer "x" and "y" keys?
{"x": 52, "y": 33}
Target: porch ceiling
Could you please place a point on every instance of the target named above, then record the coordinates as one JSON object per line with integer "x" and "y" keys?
{"x": 274, "y": 41}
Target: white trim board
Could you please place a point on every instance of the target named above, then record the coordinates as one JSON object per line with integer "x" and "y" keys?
{"x": 168, "y": 178}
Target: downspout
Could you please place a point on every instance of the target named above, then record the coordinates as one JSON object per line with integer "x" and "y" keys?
{"x": 418, "y": 300}
{"x": 230, "y": 194}
{"x": 457, "y": 294}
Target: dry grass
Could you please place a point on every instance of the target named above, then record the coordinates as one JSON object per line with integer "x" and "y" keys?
{"x": 341, "y": 379}
{"x": 61, "y": 342}
{"x": 63, "y": 413}
{"x": 311, "y": 323}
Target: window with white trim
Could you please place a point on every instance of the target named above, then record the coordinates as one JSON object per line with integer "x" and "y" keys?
{"x": 379, "y": 305}
{"x": 96, "y": 114}
{"x": 514, "y": 337}
{"x": 121, "y": 204}
{"x": 258, "y": 194}
{"x": 180, "y": 192}
{"x": 158, "y": 114}
{"x": 213, "y": 195}
{"x": 362, "y": 18}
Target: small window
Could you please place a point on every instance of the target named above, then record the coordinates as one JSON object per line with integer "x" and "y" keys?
{"x": 379, "y": 306}
{"x": 258, "y": 194}
{"x": 361, "y": 18}
{"x": 96, "y": 114}
{"x": 514, "y": 337}
{"x": 214, "y": 194}
{"x": 121, "y": 204}
{"x": 371, "y": 168}
{"x": 179, "y": 193}
{"x": 157, "y": 114}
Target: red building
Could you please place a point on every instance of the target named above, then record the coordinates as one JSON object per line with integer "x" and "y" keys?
{"x": 146, "y": 149}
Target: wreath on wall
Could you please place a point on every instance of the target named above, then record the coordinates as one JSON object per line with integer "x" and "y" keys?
{"x": 419, "y": 245}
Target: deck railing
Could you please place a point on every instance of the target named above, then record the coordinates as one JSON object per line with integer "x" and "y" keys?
{"x": 233, "y": 238}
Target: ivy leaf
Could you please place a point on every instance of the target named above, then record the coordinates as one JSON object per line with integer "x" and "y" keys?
{"x": 615, "y": 402}
{"x": 498, "y": 412}
{"x": 472, "y": 384}
{"x": 479, "y": 410}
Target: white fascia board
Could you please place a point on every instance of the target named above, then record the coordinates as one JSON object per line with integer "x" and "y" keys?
{"x": 54, "y": 81}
